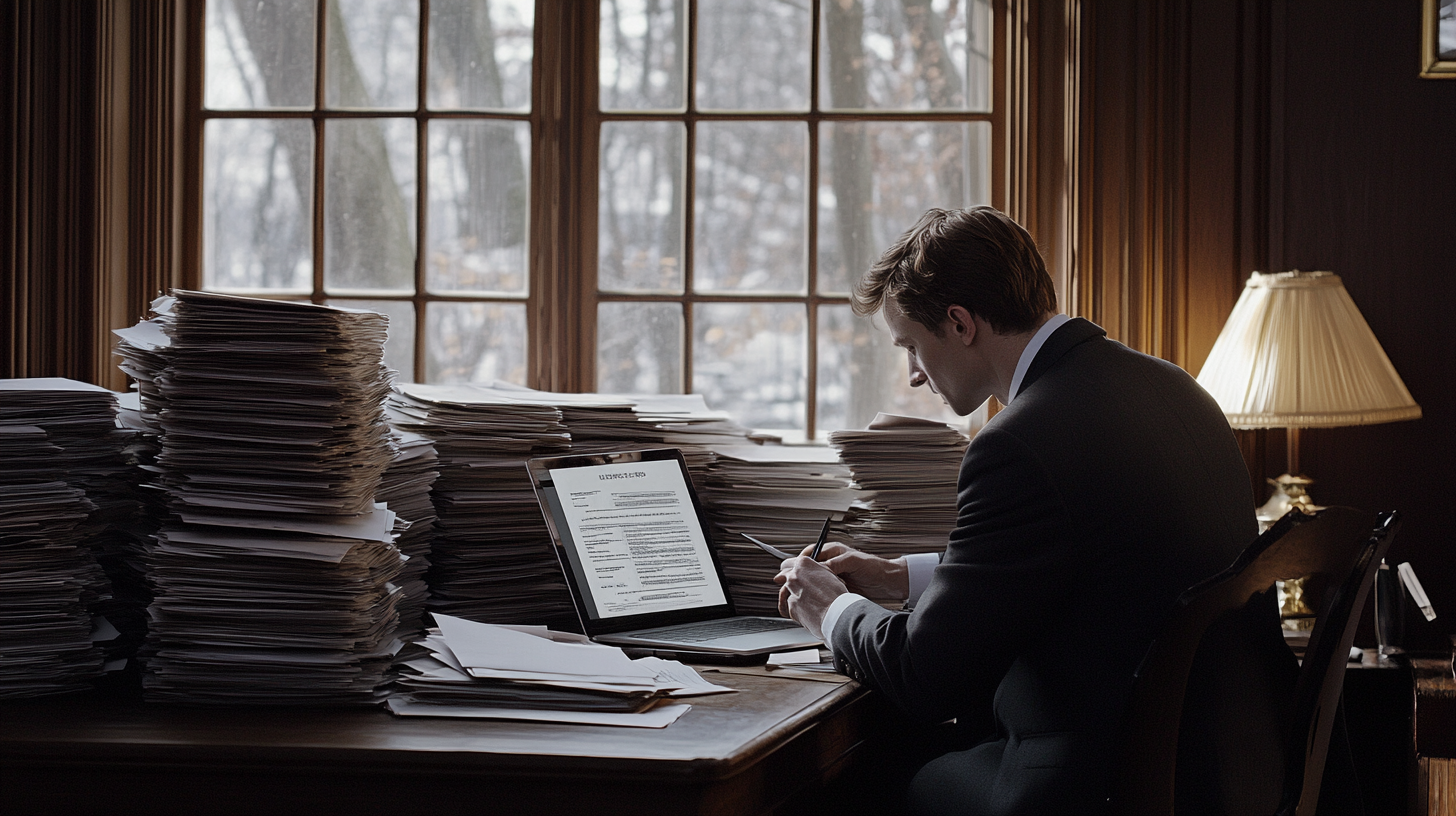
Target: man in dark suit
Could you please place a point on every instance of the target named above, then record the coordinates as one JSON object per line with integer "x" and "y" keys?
{"x": 1108, "y": 484}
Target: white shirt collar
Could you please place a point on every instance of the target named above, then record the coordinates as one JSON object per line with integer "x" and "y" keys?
{"x": 1029, "y": 353}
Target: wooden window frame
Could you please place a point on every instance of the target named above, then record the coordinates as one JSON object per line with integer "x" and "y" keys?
{"x": 566, "y": 124}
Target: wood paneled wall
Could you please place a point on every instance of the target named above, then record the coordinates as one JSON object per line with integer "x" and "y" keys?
{"x": 1365, "y": 163}
{"x": 89, "y": 173}
{"x": 51, "y": 190}
{"x": 1220, "y": 138}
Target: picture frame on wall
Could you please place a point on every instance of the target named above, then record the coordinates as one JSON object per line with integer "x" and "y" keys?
{"x": 1438, "y": 39}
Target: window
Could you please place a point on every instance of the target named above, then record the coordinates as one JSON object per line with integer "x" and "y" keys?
{"x": 751, "y": 158}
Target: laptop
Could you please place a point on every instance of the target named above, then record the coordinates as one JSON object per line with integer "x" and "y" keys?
{"x": 631, "y": 538}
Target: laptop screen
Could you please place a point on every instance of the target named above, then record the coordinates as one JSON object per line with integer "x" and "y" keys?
{"x": 630, "y": 536}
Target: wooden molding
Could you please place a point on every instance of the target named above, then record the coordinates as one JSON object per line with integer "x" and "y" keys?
{"x": 562, "y": 325}
{"x": 90, "y": 166}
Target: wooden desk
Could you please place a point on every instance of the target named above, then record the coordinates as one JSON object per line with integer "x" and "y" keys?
{"x": 1401, "y": 719}
{"x": 733, "y": 753}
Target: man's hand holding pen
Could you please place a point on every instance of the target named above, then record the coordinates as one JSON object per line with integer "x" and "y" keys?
{"x": 808, "y": 588}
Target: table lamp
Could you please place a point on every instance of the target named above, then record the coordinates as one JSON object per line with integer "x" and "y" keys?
{"x": 1296, "y": 353}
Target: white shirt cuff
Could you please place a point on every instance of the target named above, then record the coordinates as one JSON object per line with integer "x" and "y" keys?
{"x": 831, "y": 616}
{"x": 919, "y": 568}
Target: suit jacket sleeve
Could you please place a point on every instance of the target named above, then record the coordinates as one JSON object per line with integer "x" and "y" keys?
{"x": 1005, "y": 570}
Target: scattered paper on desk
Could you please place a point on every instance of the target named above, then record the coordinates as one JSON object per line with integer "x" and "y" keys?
{"x": 659, "y": 716}
{"x": 486, "y": 650}
{"x": 692, "y": 683}
{"x": 473, "y": 667}
{"x": 791, "y": 658}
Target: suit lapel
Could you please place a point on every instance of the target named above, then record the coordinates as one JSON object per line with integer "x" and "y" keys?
{"x": 1072, "y": 333}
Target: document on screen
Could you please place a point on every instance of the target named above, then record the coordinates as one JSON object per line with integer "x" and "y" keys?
{"x": 637, "y": 537}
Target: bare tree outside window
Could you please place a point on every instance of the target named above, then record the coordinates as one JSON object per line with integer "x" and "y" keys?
{"x": 752, "y": 158}
{"x": 390, "y": 143}
{"x": 899, "y": 121}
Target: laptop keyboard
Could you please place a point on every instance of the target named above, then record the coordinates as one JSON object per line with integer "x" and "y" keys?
{"x": 712, "y": 630}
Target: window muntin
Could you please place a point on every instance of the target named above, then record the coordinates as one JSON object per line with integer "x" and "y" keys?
{"x": 818, "y": 132}
{"x": 745, "y": 177}
{"x": 318, "y": 180}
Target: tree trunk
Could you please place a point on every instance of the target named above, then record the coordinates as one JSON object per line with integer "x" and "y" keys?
{"x": 370, "y": 218}
{"x": 945, "y": 89}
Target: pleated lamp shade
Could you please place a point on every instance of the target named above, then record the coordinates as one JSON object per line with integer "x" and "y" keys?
{"x": 1296, "y": 353}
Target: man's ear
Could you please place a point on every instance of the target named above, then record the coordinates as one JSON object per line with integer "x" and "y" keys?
{"x": 961, "y": 323}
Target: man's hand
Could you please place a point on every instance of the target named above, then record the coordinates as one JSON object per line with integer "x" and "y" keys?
{"x": 808, "y": 590}
{"x": 875, "y": 578}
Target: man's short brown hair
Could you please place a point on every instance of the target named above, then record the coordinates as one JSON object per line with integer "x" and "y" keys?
{"x": 977, "y": 258}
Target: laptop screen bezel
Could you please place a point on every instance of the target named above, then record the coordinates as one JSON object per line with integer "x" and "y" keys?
{"x": 540, "y": 470}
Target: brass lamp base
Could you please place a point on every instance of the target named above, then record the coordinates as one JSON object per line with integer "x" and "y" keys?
{"x": 1289, "y": 493}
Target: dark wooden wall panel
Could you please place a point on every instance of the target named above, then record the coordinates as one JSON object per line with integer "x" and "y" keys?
{"x": 1214, "y": 122}
{"x": 49, "y": 184}
{"x": 1369, "y": 192}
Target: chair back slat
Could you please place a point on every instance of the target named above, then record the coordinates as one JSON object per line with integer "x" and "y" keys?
{"x": 1334, "y": 545}
{"x": 1322, "y": 675}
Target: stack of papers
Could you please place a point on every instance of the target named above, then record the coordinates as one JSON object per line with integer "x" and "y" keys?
{"x": 491, "y": 558}
{"x": 273, "y": 570}
{"x": 685, "y": 421}
{"x": 48, "y": 579}
{"x": 779, "y": 495}
{"x": 406, "y": 491}
{"x": 609, "y": 422}
{"x": 46, "y": 586}
{"x": 143, "y": 350}
{"x": 905, "y": 469}
{"x": 529, "y": 672}
{"x": 80, "y": 444}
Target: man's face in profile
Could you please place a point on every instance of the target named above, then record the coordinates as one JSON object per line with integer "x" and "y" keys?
{"x": 946, "y": 363}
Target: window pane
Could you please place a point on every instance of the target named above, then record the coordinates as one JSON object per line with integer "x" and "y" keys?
{"x": 399, "y": 349}
{"x": 479, "y": 195}
{"x": 369, "y": 204}
{"x": 911, "y": 55}
{"x": 259, "y": 54}
{"x": 861, "y": 373}
{"x": 641, "y": 54}
{"x": 373, "y": 48}
{"x": 480, "y": 54}
{"x": 876, "y": 179}
{"x": 639, "y": 348}
{"x": 475, "y": 342}
{"x": 749, "y": 360}
{"x": 749, "y": 207}
{"x": 753, "y": 55}
{"x": 639, "y": 207}
{"x": 256, "y": 204}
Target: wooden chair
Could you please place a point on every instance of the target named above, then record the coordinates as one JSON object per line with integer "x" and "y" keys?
{"x": 1337, "y": 549}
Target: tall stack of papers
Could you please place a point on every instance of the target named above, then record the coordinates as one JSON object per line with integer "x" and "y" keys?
{"x": 780, "y": 495}
{"x": 144, "y": 350}
{"x": 80, "y": 420}
{"x": 48, "y": 578}
{"x": 406, "y": 491}
{"x": 491, "y": 559}
{"x": 530, "y": 673}
{"x": 273, "y": 571}
{"x": 906, "y": 470}
{"x": 46, "y": 592}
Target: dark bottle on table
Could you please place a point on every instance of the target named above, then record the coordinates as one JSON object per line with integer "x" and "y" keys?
{"x": 1389, "y": 610}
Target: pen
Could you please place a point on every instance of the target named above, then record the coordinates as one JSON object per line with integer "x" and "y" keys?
{"x": 823, "y": 534}
{"x": 774, "y": 551}
{"x": 783, "y": 556}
